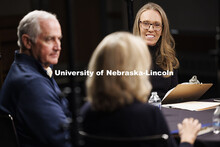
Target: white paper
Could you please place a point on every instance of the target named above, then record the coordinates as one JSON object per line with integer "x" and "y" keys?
{"x": 193, "y": 105}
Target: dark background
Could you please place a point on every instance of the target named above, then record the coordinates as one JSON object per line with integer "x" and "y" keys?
{"x": 193, "y": 23}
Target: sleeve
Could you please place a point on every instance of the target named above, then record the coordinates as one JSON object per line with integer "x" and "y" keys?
{"x": 185, "y": 144}
{"x": 161, "y": 126}
{"x": 43, "y": 113}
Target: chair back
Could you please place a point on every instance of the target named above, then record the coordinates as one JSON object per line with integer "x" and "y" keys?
{"x": 8, "y": 134}
{"x": 89, "y": 140}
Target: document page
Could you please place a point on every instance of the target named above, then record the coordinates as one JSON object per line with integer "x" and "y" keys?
{"x": 193, "y": 105}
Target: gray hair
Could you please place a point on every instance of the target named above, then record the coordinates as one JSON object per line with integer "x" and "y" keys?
{"x": 30, "y": 25}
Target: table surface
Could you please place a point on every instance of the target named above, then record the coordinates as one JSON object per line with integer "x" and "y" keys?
{"x": 175, "y": 116}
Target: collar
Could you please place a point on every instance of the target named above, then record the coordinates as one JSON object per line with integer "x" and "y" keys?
{"x": 21, "y": 58}
{"x": 49, "y": 71}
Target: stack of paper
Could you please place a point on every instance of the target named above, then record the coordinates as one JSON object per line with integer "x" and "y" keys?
{"x": 193, "y": 105}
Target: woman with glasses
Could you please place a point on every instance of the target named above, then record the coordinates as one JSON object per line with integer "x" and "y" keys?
{"x": 152, "y": 25}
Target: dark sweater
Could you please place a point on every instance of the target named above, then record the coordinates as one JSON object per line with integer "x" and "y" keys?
{"x": 136, "y": 119}
{"x": 160, "y": 84}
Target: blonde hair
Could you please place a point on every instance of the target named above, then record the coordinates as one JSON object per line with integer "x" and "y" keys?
{"x": 166, "y": 56}
{"x": 124, "y": 52}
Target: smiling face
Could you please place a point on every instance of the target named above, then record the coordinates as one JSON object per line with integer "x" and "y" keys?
{"x": 47, "y": 46}
{"x": 150, "y": 35}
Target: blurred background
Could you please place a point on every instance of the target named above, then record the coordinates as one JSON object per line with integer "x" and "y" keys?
{"x": 194, "y": 25}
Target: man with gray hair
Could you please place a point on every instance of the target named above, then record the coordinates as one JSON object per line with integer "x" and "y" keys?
{"x": 30, "y": 93}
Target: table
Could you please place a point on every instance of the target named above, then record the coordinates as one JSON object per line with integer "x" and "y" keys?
{"x": 175, "y": 116}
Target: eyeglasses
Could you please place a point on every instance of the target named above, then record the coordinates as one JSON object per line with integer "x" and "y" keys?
{"x": 146, "y": 25}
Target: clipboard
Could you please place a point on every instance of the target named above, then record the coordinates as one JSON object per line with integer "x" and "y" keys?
{"x": 185, "y": 92}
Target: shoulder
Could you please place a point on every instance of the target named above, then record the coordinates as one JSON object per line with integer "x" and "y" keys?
{"x": 20, "y": 78}
{"x": 135, "y": 110}
{"x": 23, "y": 73}
{"x": 85, "y": 109}
{"x": 30, "y": 84}
{"x": 142, "y": 109}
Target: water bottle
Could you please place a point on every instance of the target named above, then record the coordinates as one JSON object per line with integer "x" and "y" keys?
{"x": 155, "y": 100}
{"x": 216, "y": 121}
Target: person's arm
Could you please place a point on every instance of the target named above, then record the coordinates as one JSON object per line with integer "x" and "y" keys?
{"x": 188, "y": 126}
{"x": 188, "y": 130}
{"x": 43, "y": 113}
{"x": 161, "y": 127}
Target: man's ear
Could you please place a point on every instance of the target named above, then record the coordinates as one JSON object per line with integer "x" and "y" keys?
{"x": 26, "y": 41}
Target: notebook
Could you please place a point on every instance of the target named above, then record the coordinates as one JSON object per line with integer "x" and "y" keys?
{"x": 185, "y": 92}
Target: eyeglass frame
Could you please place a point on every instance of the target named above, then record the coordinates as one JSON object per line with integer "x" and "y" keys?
{"x": 151, "y": 24}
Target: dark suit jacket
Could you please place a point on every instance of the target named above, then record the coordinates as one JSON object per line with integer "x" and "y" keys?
{"x": 133, "y": 120}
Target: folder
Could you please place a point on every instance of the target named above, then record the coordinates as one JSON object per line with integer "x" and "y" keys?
{"x": 185, "y": 92}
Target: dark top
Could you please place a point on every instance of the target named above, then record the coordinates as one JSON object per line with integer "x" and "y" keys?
{"x": 161, "y": 84}
{"x": 32, "y": 98}
{"x": 137, "y": 119}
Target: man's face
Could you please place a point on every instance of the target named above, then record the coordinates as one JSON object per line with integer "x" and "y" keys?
{"x": 47, "y": 46}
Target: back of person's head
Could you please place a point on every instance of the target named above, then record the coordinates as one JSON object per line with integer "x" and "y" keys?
{"x": 120, "y": 51}
{"x": 30, "y": 25}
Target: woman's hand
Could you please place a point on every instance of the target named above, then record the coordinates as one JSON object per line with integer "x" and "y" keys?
{"x": 188, "y": 130}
